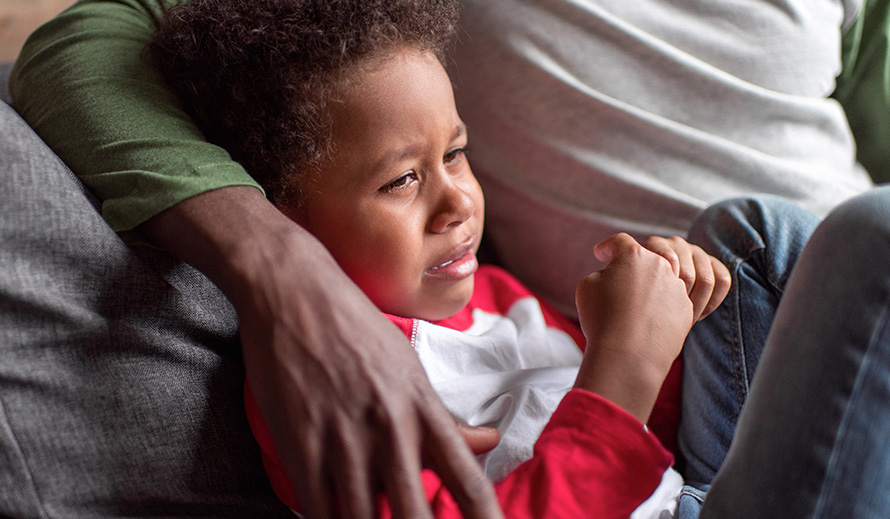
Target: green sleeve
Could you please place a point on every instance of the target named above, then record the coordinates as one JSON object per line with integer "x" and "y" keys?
{"x": 84, "y": 84}
{"x": 863, "y": 88}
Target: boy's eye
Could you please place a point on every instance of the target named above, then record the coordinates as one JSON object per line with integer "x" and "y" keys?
{"x": 400, "y": 183}
{"x": 455, "y": 154}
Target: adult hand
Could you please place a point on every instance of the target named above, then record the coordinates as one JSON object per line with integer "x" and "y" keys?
{"x": 707, "y": 279}
{"x": 345, "y": 399}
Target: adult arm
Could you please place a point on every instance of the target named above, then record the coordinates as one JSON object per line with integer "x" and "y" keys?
{"x": 349, "y": 411}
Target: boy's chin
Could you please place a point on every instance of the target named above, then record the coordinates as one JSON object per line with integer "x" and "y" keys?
{"x": 455, "y": 302}
{"x": 440, "y": 306}
{"x": 448, "y": 312}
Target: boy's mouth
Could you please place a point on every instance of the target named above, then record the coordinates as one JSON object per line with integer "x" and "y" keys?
{"x": 459, "y": 264}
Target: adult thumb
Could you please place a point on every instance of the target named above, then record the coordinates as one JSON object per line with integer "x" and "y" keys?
{"x": 479, "y": 439}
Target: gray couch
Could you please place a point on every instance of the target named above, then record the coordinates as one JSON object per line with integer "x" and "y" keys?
{"x": 120, "y": 369}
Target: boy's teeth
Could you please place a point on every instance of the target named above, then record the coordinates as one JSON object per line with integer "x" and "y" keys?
{"x": 443, "y": 265}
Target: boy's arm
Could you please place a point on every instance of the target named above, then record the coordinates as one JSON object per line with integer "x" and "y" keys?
{"x": 332, "y": 373}
{"x": 592, "y": 460}
{"x": 635, "y": 314}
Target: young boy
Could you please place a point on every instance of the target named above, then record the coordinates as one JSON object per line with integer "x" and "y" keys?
{"x": 344, "y": 114}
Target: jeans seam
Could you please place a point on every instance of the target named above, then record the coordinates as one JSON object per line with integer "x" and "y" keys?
{"x": 775, "y": 281}
{"x": 740, "y": 368}
{"x": 738, "y": 354}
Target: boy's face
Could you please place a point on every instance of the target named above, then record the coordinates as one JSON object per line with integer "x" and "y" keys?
{"x": 396, "y": 203}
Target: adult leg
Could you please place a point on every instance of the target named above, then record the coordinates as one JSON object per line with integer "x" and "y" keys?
{"x": 812, "y": 440}
{"x": 759, "y": 240}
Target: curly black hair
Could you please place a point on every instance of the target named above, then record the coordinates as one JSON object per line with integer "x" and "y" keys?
{"x": 256, "y": 74}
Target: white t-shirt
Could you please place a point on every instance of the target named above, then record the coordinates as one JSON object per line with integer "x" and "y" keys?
{"x": 590, "y": 117}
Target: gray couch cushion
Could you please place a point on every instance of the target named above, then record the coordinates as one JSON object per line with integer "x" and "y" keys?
{"x": 120, "y": 372}
{"x": 4, "y": 82}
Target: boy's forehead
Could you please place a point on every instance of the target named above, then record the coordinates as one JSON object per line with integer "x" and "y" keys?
{"x": 405, "y": 94}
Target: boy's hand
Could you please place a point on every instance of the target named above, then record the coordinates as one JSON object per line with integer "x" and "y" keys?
{"x": 707, "y": 279}
{"x": 479, "y": 439}
{"x": 635, "y": 314}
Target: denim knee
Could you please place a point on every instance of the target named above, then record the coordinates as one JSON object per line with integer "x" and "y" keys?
{"x": 734, "y": 229}
{"x": 759, "y": 240}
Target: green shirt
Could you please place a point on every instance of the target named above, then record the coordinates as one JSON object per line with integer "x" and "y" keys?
{"x": 863, "y": 87}
{"x": 133, "y": 146}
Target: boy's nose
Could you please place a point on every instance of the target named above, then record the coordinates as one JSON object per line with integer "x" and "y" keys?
{"x": 455, "y": 205}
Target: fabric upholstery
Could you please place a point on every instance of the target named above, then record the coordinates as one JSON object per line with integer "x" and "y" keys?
{"x": 120, "y": 368}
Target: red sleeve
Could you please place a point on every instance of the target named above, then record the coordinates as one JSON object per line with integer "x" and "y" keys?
{"x": 580, "y": 467}
{"x": 592, "y": 460}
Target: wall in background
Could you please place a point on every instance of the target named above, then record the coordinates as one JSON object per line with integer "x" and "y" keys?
{"x": 18, "y": 18}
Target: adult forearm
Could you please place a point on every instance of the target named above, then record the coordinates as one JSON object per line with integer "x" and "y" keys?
{"x": 230, "y": 234}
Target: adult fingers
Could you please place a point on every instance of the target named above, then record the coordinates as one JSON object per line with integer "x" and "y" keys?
{"x": 447, "y": 454}
{"x": 402, "y": 480}
{"x": 315, "y": 493}
{"x": 353, "y": 489}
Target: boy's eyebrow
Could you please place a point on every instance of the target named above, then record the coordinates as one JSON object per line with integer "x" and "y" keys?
{"x": 459, "y": 130}
{"x": 413, "y": 149}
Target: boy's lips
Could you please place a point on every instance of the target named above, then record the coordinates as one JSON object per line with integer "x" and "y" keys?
{"x": 457, "y": 265}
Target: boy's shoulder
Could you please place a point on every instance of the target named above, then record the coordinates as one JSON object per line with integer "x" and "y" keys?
{"x": 497, "y": 292}
{"x": 494, "y": 291}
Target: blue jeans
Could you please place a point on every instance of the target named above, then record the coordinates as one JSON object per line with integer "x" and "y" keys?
{"x": 759, "y": 240}
{"x": 813, "y": 437}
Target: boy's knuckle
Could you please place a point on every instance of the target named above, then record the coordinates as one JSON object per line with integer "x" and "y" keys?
{"x": 707, "y": 280}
